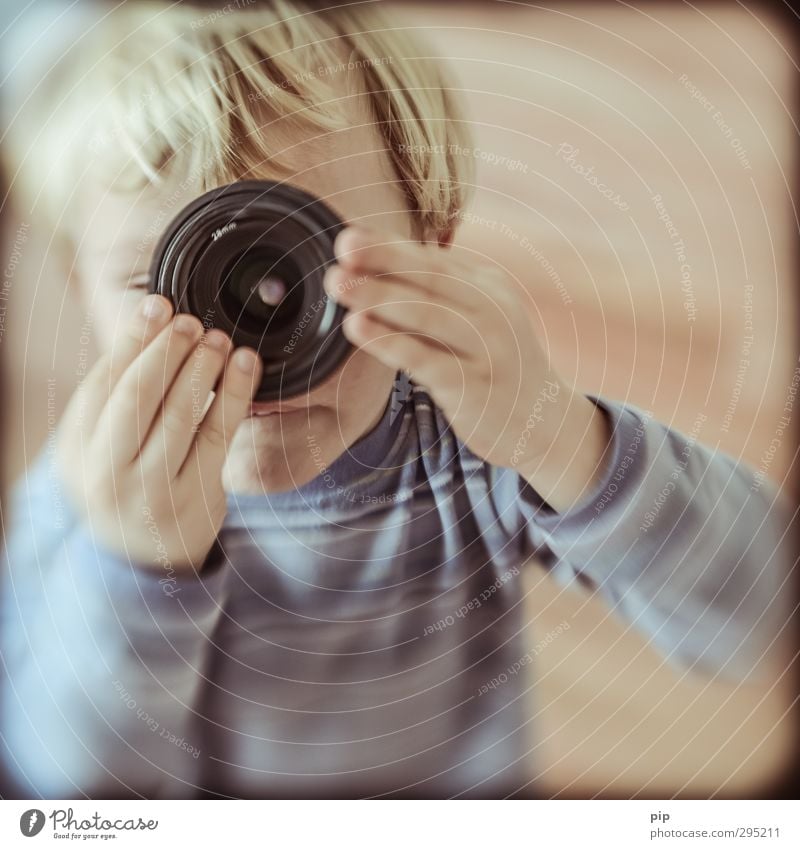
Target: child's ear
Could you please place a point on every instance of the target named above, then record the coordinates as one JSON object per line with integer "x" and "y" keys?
{"x": 445, "y": 237}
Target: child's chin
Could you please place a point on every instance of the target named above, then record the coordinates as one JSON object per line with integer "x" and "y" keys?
{"x": 257, "y": 462}
{"x": 279, "y": 430}
{"x": 274, "y": 453}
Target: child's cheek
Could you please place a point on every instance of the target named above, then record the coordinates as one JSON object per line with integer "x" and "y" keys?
{"x": 110, "y": 311}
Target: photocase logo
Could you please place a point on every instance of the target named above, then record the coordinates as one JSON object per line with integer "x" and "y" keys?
{"x": 31, "y": 822}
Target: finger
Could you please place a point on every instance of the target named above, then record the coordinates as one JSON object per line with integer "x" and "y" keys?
{"x": 139, "y": 393}
{"x": 231, "y": 404}
{"x": 403, "y": 308}
{"x": 356, "y": 290}
{"x": 422, "y": 356}
{"x": 151, "y": 317}
{"x": 79, "y": 419}
{"x": 92, "y": 393}
{"x": 428, "y": 267}
{"x": 181, "y": 414}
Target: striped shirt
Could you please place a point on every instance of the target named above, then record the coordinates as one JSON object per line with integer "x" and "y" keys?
{"x": 341, "y": 638}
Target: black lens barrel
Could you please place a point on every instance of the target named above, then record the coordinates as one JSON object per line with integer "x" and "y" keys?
{"x": 204, "y": 263}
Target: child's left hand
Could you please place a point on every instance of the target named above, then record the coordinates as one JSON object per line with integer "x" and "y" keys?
{"x": 463, "y": 332}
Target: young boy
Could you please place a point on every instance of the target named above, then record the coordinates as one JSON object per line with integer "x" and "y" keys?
{"x": 310, "y": 596}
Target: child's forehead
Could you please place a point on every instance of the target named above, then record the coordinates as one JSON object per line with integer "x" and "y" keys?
{"x": 127, "y": 221}
{"x": 350, "y": 170}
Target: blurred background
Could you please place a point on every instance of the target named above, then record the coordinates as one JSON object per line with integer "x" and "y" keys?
{"x": 636, "y": 165}
{"x": 644, "y": 297}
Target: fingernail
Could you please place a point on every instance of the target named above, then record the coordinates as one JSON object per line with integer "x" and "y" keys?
{"x": 154, "y": 306}
{"x": 355, "y": 324}
{"x": 348, "y": 240}
{"x": 217, "y": 339}
{"x": 187, "y": 324}
{"x": 334, "y": 278}
{"x": 245, "y": 360}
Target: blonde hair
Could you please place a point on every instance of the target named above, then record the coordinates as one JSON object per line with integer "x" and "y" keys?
{"x": 152, "y": 93}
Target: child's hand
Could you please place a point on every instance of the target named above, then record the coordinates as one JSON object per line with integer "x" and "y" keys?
{"x": 134, "y": 449}
{"x": 463, "y": 332}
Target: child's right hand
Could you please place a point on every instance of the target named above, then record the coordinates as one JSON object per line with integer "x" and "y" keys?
{"x": 138, "y": 457}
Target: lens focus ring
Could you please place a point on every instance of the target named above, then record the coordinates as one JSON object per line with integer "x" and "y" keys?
{"x": 215, "y": 253}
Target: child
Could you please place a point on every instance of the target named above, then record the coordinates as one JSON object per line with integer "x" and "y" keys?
{"x": 310, "y": 596}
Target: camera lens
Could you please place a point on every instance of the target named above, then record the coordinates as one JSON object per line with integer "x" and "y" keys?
{"x": 249, "y": 258}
